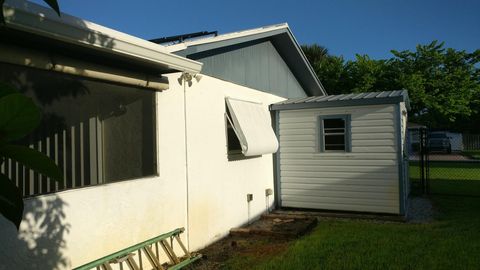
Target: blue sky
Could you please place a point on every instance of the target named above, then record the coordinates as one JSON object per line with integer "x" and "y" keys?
{"x": 370, "y": 27}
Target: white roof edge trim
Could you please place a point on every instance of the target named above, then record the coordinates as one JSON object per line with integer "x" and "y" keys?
{"x": 226, "y": 36}
{"x": 252, "y": 125}
{"x": 33, "y": 18}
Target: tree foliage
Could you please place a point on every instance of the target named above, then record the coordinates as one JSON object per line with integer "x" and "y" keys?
{"x": 443, "y": 83}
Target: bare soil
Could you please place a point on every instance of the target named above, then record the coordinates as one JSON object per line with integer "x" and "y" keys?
{"x": 266, "y": 237}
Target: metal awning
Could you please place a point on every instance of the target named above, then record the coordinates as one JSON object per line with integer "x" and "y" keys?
{"x": 251, "y": 122}
{"x": 26, "y": 17}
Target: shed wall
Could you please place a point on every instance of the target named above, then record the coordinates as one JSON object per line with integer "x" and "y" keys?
{"x": 365, "y": 179}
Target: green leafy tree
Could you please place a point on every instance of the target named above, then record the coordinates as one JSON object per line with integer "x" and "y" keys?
{"x": 18, "y": 117}
{"x": 443, "y": 84}
{"x": 329, "y": 69}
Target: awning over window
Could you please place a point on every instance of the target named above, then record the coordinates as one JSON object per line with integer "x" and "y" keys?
{"x": 251, "y": 122}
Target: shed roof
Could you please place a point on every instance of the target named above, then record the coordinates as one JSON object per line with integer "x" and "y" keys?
{"x": 279, "y": 35}
{"x": 354, "y": 99}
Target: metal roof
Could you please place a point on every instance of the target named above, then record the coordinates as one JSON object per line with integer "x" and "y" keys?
{"x": 279, "y": 35}
{"x": 354, "y": 99}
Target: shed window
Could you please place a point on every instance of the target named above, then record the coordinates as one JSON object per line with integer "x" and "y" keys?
{"x": 97, "y": 132}
{"x": 335, "y": 133}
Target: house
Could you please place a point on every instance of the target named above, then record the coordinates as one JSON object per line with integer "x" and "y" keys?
{"x": 153, "y": 137}
{"x": 149, "y": 137}
{"x": 344, "y": 152}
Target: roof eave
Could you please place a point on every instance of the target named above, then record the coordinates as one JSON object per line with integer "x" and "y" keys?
{"x": 32, "y": 18}
{"x": 314, "y": 86}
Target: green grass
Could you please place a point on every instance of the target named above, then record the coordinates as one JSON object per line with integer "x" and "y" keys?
{"x": 450, "y": 242}
{"x": 462, "y": 178}
{"x": 475, "y": 154}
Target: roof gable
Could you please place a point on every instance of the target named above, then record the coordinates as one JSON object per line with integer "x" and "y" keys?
{"x": 280, "y": 37}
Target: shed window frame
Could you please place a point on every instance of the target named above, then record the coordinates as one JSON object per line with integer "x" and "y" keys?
{"x": 347, "y": 133}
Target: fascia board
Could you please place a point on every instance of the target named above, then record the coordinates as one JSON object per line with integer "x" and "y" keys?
{"x": 229, "y": 36}
{"x": 35, "y": 19}
{"x": 307, "y": 63}
{"x": 337, "y": 103}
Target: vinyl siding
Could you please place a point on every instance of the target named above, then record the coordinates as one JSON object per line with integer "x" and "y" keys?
{"x": 258, "y": 66}
{"x": 365, "y": 179}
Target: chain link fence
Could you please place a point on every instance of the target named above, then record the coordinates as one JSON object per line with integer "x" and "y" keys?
{"x": 443, "y": 162}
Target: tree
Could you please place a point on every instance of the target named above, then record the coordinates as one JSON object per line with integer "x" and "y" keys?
{"x": 443, "y": 84}
{"x": 329, "y": 68}
{"x": 18, "y": 117}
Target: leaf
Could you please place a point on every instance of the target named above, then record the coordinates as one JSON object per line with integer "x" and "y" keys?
{"x": 11, "y": 202}
{"x": 18, "y": 116}
{"x": 54, "y": 5}
{"x": 6, "y": 89}
{"x": 32, "y": 159}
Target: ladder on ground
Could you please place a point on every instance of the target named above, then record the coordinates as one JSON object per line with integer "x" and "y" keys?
{"x": 147, "y": 255}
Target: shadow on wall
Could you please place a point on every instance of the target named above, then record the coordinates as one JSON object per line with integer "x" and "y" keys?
{"x": 40, "y": 241}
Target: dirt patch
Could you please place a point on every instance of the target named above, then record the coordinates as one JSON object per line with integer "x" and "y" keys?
{"x": 267, "y": 237}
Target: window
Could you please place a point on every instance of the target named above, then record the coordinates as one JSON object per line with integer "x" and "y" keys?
{"x": 249, "y": 129}
{"x": 233, "y": 144}
{"x": 335, "y": 133}
{"x": 96, "y": 132}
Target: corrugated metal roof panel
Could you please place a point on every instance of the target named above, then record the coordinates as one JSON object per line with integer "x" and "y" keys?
{"x": 354, "y": 99}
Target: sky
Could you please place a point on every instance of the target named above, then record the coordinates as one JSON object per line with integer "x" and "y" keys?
{"x": 344, "y": 27}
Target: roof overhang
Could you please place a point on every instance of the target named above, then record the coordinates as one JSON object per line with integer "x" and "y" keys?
{"x": 34, "y": 19}
{"x": 354, "y": 99}
{"x": 281, "y": 38}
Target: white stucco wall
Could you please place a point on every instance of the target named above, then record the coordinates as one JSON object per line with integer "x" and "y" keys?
{"x": 70, "y": 228}
{"x": 218, "y": 188}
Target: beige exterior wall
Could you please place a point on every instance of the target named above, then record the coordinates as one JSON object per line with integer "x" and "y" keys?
{"x": 365, "y": 179}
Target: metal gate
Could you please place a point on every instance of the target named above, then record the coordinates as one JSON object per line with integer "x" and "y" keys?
{"x": 418, "y": 160}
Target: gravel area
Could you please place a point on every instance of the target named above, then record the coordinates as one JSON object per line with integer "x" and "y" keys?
{"x": 420, "y": 210}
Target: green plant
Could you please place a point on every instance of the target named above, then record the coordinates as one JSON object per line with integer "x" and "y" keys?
{"x": 18, "y": 117}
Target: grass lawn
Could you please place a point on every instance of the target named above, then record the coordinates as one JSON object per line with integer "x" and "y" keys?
{"x": 475, "y": 154}
{"x": 461, "y": 178}
{"x": 451, "y": 242}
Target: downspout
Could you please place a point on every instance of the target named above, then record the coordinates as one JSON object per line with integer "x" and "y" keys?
{"x": 187, "y": 226}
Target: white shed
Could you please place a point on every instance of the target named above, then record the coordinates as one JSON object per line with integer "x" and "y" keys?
{"x": 343, "y": 152}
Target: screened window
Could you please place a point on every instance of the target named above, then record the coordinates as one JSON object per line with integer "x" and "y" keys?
{"x": 96, "y": 132}
{"x": 335, "y": 133}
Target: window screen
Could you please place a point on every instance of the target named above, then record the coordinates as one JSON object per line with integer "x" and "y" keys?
{"x": 95, "y": 131}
